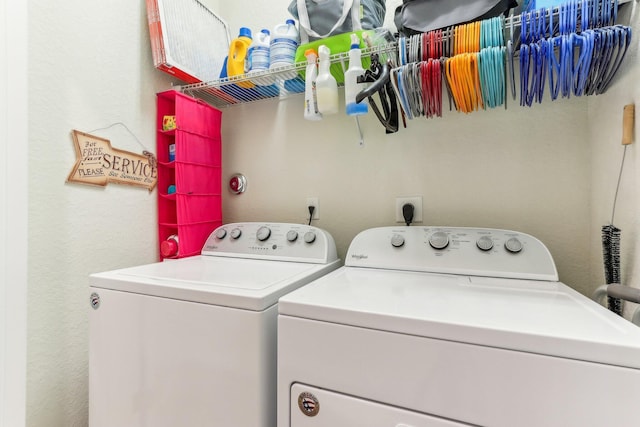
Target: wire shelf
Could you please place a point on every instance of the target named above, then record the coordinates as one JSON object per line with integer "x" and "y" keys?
{"x": 280, "y": 83}
{"x": 286, "y": 81}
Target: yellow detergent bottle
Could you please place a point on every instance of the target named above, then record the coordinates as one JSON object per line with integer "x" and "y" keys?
{"x": 238, "y": 55}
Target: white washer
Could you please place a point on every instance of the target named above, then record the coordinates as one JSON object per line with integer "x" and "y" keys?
{"x": 192, "y": 342}
{"x": 477, "y": 332}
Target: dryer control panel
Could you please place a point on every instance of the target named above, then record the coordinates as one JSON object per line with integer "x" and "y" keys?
{"x": 273, "y": 241}
{"x": 453, "y": 250}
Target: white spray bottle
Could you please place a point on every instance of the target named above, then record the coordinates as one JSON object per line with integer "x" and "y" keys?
{"x": 326, "y": 85}
{"x": 351, "y": 85}
{"x": 310, "y": 98}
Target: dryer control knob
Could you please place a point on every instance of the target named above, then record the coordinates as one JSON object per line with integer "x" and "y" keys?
{"x": 484, "y": 243}
{"x": 513, "y": 245}
{"x": 236, "y": 233}
{"x": 263, "y": 233}
{"x": 397, "y": 240}
{"x": 292, "y": 235}
{"x": 309, "y": 237}
{"x": 221, "y": 233}
{"x": 439, "y": 240}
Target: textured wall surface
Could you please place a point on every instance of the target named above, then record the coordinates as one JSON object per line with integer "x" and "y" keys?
{"x": 90, "y": 66}
{"x": 13, "y": 212}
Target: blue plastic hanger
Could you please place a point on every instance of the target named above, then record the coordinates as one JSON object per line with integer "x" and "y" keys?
{"x": 554, "y": 65}
{"x": 622, "y": 40}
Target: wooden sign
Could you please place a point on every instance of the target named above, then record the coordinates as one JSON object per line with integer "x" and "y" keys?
{"x": 97, "y": 163}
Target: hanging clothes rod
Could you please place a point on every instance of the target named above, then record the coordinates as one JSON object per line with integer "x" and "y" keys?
{"x": 513, "y": 22}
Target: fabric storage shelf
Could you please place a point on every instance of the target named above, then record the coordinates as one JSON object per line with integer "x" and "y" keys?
{"x": 195, "y": 179}
{"x": 189, "y": 179}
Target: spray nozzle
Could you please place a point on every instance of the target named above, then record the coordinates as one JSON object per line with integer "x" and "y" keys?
{"x": 324, "y": 52}
{"x": 355, "y": 41}
{"x": 311, "y": 55}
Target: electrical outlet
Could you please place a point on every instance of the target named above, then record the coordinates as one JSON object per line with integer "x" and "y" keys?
{"x": 313, "y": 201}
{"x": 416, "y": 201}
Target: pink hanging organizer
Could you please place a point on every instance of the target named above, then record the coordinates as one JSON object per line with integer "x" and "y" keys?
{"x": 189, "y": 185}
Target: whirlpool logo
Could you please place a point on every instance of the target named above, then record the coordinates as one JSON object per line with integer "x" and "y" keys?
{"x": 360, "y": 256}
{"x": 308, "y": 404}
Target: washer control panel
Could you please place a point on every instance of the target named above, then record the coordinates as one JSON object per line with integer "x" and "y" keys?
{"x": 274, "y": 241}
{"x": 453, "y": 250}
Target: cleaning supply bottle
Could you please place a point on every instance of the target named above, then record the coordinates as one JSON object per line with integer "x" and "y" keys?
{"x": 310, "y": 98}
{"x": 284, "y": 42}
{"x": 351, "y": 85}
{"x": 326, "y": 85}
{"x": 237, "y": 61}
{"x": 259, "y": 55}
{"x": 169, "y": 247}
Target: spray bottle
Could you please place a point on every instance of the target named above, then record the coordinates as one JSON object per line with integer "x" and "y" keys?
{"x": 310, "y": 98}
{"x": 326, "y": 85}
{"x": 351, "y": 85}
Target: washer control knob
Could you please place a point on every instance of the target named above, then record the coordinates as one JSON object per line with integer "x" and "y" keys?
{"x": 513, "y": 245}
{"x": 397, "y": 240}
{"x": 263, "y": 233}
{"x": 292, "y": 235}
{"x": 309, "y": 237}
{"x": 484, "y": 243}
{"x": 236, "y": 233}
{"x": 221, "y": 233}
{"x": 439, "y": 240}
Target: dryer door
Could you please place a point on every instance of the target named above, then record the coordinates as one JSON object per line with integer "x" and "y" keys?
{"x": 314, "y": 407}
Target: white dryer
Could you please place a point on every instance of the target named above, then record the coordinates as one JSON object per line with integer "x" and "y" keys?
{"x": 192, "y": 342}
{"x": 428, "y": 326}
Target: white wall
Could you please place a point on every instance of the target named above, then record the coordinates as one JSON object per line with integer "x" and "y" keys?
{"x": 13, "y": 212}
{"x": 90, "y": 66}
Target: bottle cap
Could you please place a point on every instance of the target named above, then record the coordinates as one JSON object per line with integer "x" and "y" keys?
{"x": 355, "y": 41}
{"x": 267, "y": 32}
{"x": 310, "y": 52}
{"x": 169, "y": 248}
{"x": 245, "y": 32}
{"x": 291, "y": 22}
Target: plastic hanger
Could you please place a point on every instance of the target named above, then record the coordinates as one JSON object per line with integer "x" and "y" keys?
{"x": 511, "y": 55}
{"x": 553, "y": 63}
{"x": 379, "y": 77}
{"x": 541, "y": 69}
{"x": 622, "y": 40}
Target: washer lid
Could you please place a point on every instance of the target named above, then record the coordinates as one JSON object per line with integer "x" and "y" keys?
{"x": 540, "y": 317}
{"x": 241, "y": 283}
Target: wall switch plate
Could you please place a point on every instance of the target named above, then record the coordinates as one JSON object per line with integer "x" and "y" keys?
{"x": 416, "y": 201}
{"x": 313, "y": 201}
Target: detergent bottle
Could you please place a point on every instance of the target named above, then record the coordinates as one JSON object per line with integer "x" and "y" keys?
{"x": 351, "y": 85}
{"x": 260, "y": 59}
{"x": 310, "y": 98}
{"x": 259, "y": 55}
{"x": 326, "y": 85}
{"x": 284, "y": 42}
{"x": 237, "y": 61}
